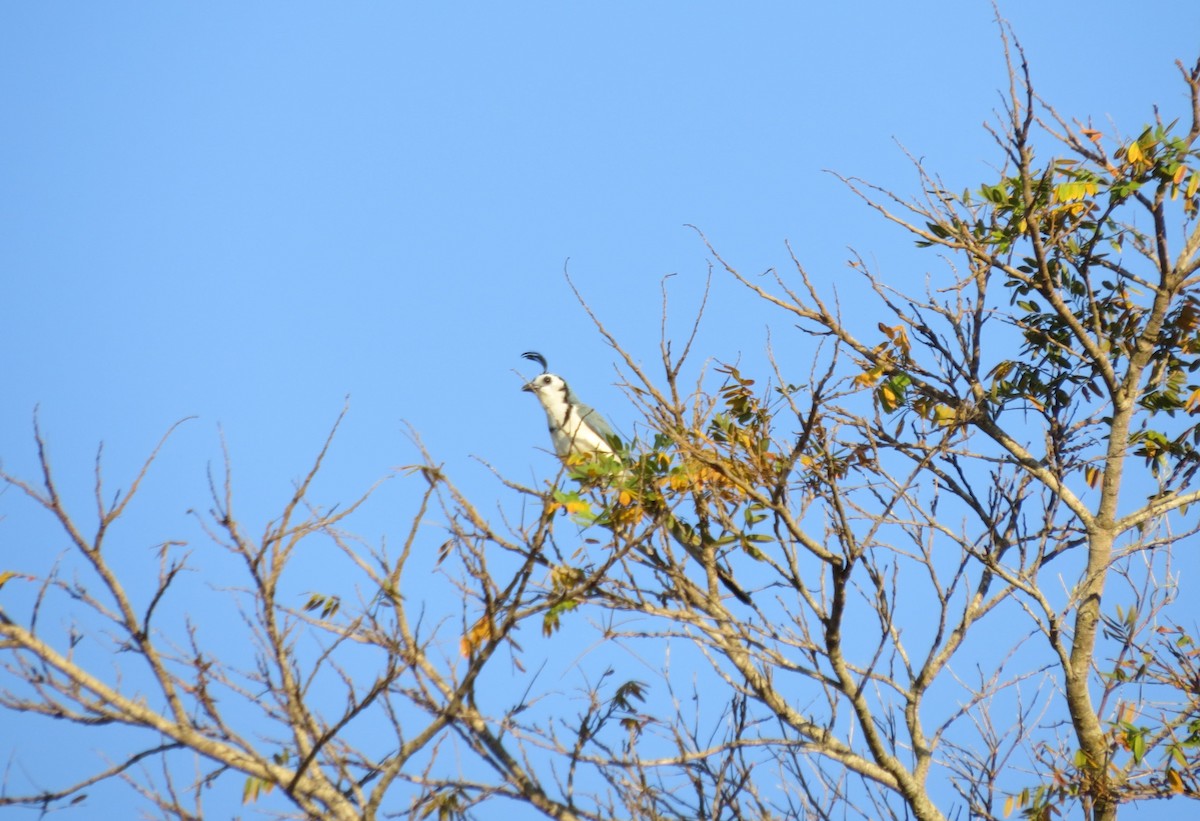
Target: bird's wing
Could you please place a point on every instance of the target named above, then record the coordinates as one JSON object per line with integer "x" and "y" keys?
{"x": 595, "y": 421}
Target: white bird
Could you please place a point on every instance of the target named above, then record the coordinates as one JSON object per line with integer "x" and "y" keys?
{"x": 575, "y": 429}
{"x": 578, "y": 430}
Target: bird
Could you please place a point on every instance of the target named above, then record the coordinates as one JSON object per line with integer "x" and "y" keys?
{"x": 578, "y": 431}
{"x": 575, "y": 429}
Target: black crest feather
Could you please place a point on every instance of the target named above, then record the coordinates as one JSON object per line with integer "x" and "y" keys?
{"x": 534, "y": 356}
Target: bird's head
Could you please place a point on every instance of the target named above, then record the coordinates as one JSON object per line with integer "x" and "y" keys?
{"x": 547, "y": 387}
{"x": 545, "y": 384}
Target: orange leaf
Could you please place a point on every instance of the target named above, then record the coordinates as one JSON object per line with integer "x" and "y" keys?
{"x": 480, "y": 632}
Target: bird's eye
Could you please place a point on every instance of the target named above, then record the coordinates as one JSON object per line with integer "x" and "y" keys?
{"x": 545, "y": 380}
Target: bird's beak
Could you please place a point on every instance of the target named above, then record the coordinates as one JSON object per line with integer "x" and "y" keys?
{"x": 528, "y": 386}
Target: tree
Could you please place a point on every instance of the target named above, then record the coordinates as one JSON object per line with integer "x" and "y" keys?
{"x": 956, "y": 527}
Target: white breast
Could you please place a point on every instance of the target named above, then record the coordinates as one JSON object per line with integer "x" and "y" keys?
{"x": 571, "y": 435}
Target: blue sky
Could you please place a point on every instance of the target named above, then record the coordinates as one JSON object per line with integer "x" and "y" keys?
{"x": 248, "y": 212}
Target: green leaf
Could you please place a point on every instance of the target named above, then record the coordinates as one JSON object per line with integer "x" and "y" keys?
{"x": 1137, "y": 745}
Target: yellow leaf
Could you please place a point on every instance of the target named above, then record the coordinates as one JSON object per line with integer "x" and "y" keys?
{"x": 577, "y": 506}
{"x": 1092, "y": 475}
{"x": 1174, "y": 781}
{"x": 888, "y": 397}
{"x": 1193, "y": 185}
{"x": 897, "y": 336}
{"x": 1135, "y": 154}
{"x": 627, "y": 515}
{"x": 944, "y": 415}
{"x": 1193, "y": 402}
{"x": 254, "y": 788}
{"x": 1075, "y": 190}
{"x": 1001, "y": 370}
{"x": 1068, "y": 191}
{"x": 9, "y": 574}
{"x": 1008, "y": 806}
{"x": 868, "y": 378}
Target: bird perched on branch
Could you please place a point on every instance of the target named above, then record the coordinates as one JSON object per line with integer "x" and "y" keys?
{"x": 578, "y": 431}
{"x": 575, "y": 428}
